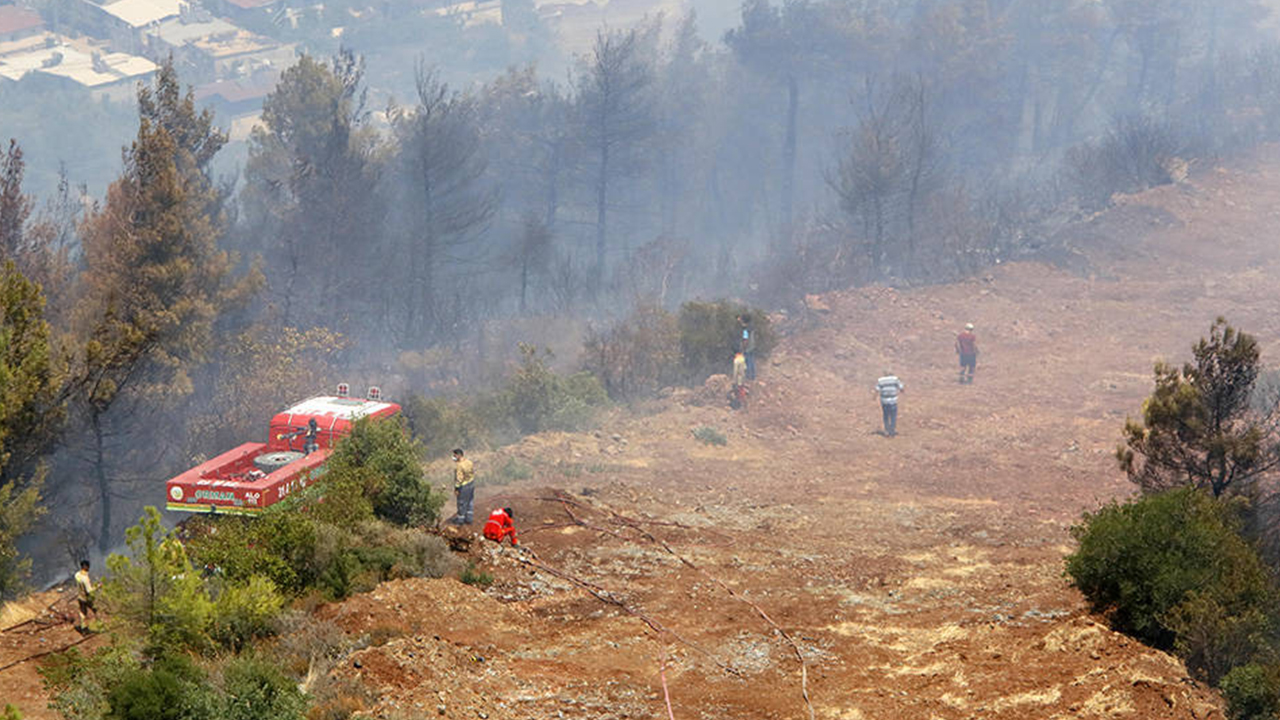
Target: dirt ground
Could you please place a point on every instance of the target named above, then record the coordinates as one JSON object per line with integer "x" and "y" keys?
{"x": 913, "y": 577}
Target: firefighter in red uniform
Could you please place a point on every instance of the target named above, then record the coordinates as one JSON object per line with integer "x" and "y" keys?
{"x": 500, "y": 526}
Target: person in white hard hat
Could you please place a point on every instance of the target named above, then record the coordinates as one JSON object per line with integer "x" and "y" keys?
{"x": 967, "y": 349}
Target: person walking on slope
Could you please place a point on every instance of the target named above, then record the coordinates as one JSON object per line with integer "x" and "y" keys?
{"x": 84, "y": 598}
{"x": 464, "y": 488}
{"x": 888, "y": 387}
{"x": 967, "y": 349}
{"x": 500, "y": 526}
{"x": 748, "y": 344}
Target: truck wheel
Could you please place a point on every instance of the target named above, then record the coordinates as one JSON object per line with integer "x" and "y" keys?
{"x": 272, "y": 461}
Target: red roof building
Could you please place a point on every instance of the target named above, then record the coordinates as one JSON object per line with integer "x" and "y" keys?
{"x": 17, "y": 22}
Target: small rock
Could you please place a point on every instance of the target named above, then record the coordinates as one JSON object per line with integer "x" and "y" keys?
{"x": 356, "y": 664}
{"x": 440, "y": 709}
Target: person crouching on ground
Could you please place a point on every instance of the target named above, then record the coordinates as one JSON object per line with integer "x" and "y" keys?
{"x": 464, "y": 488}
{"x": 500, "y": 525}
{"x": 888, "y": 388}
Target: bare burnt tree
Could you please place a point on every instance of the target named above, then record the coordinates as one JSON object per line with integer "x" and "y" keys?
{"x": 793, "y": 45}
{"x": 531, "y": 255}
{"x": 442, "y": 163}
{"x": 615, "y": 115}
{"x": 15, "y": 205}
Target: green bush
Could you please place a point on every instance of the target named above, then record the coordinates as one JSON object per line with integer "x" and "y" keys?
{"x": 171, "y": 689}
{"x": 1214, "y": 638}
{"x": 535, "y": 398}
{"x": 710, "y": 334}
{"x": 381, "y": 457}
{"x": 278, "y": 544}
{"x": 510, "y": 471}
{"x": 10, "y": 713}
{"x": 638, "y": 356}
{"x": 78, "y": 683}
{"x": 1252, "y": 692}
{"x": 1139, "y": 561}
{"x": 441, "y": 425}
{"x": 258, "y": 690}
{"x": 245, "y": 612}
{"x": 708, "y": 435}
{"x": 471, "y": 575}
{"x": 156, "y": 588}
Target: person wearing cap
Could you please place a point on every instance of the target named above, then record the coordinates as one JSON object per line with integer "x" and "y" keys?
{"x": 967, "y": 349}
{"x": 888, "y": 387}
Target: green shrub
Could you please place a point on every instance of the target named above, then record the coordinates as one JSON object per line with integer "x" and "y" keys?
{"x": 471, "y": 575}
{"x": 171, "y": 689}
{"x": 1214, "y": 638}
{"x": 708, "y": 435}
{"x": 441, "y": 425}
{"x": 381, "y": 457}
{"x": 1139, "y": 561}
{"x": 710, "y": 334}
{"x": 156, "y": 589}
{"x": 10, "y": 713}
{"x": 78, "y": 683}
{"x": 510, "y": 471}
{"x": 279, "y": 544}
{"x": 535, "y": 398}
{"x": 244, "y": 612}
{"x": 258, "y": 690}
{"x": 1252, "y": 692}
{"x": 638, "y": 356}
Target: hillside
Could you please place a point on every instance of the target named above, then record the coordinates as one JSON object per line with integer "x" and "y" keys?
{"x": 918, "y": 576}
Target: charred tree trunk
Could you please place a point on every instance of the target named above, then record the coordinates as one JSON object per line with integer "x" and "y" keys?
{"x": 789, "y": 155}
{"x": 602, "y": 217}
{"x": 104, "y": 484}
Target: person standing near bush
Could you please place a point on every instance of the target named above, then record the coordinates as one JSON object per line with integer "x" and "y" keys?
{"x": 738, "y": 394}
{"x": 464, "y": 488}
{"x": 888, "y": 387}
{"x": 967, "y": 349}
{"x": 84, "y": 597}
{"x": 748, "y": 344}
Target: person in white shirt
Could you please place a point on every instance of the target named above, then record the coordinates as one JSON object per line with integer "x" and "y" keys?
{"x": 888, "y": 388}
{"x": 84, "y": 597}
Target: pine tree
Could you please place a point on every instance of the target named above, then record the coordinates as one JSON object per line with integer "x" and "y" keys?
{"x": 30, "y": 416}
{"x": 1201, "y": 426}
{"x": 156, "y": 279}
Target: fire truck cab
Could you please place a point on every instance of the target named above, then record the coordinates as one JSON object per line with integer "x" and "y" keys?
{"x": 256, "y": 475}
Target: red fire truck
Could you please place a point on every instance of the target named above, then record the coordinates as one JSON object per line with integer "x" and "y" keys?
{"x": 256, "y": 475}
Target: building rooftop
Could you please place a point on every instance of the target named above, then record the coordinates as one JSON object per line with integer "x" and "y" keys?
{"x": 140, "y": 13}
{"x": 242, "y": 42}
{"x": 85, "y": 68}
{"x": 180, "y": 31}
{"x": 16, "y": 19}
{"x": 251, "y": 4}
{"x": 235, "y": 91}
